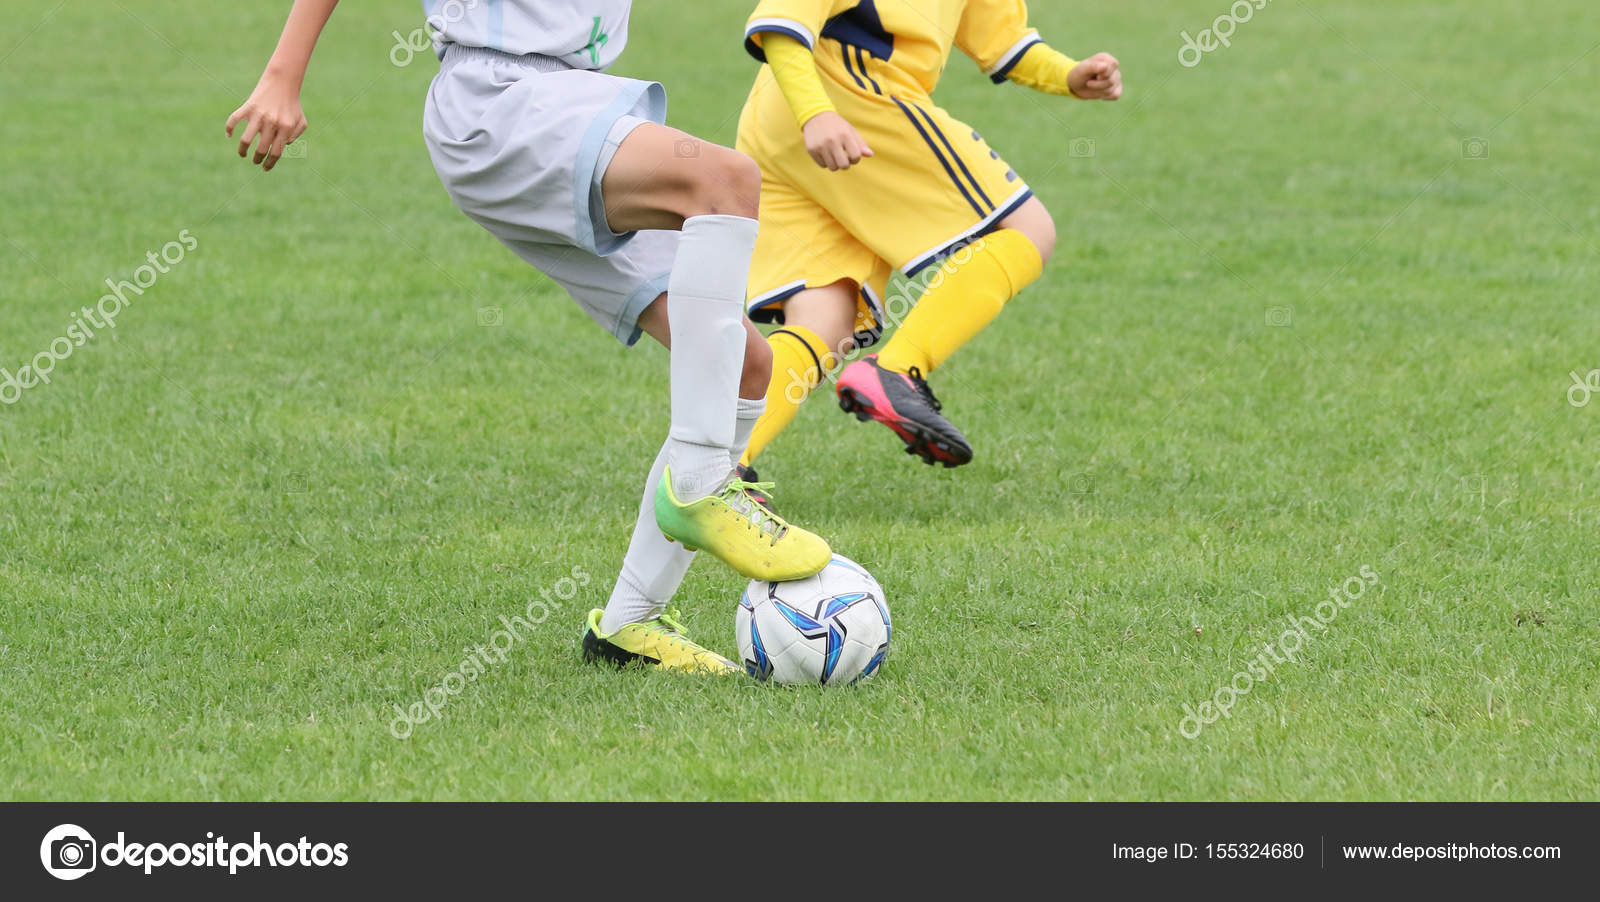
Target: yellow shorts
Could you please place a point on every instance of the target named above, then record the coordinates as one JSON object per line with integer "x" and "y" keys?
{"x": 932, "y": 185}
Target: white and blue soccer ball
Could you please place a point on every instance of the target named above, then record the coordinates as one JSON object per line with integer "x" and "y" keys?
{"x": 831, "y": 628}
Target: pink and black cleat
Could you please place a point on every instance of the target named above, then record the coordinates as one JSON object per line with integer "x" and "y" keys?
{"x": 904, "y": 403}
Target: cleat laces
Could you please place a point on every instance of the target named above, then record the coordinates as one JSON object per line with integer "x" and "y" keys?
{"x": 737, "y": 496}
{"x": 921, "y": 385}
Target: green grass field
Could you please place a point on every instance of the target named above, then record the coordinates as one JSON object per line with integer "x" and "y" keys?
{"x": 1315, "y": 309}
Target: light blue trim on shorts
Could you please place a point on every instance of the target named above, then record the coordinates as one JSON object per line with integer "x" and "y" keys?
{"x": 497, "y": 24}
{"x": 627, "y": 326}
{"x": 597, "y": 238}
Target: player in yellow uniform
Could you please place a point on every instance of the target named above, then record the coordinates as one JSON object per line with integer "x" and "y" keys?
{"x": 863, "y": 174}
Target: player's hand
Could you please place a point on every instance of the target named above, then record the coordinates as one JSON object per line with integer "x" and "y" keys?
{"x": 834, "y": 143}
{"x": 274, "y": 115}
{"x": 1096, "y": 78}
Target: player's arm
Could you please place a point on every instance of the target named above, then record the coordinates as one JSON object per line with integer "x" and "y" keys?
{"x": 833, "y": 142}
{"x": 1043, "y": 68}
{"x": 996, "y": 35}
{"x": 273, "y": 110}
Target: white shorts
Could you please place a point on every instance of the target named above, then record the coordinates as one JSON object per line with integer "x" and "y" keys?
{"x": 521, "y": 144}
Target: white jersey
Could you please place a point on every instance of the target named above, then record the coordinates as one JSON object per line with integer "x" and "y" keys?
{"x": 585, "y": 34}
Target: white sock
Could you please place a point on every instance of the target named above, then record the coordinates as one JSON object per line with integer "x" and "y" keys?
{"x": 705, "y": 311}
{"x": 652, "y": 569}
{"x": 749, "y": 412}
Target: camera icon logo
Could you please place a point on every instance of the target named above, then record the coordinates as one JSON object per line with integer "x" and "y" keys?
{"x": 1475, "y": 148}
{"x": 1280, "y": 316}
{"x": 1081, "y": 148}
{"x": 68, "y": 852}
{"x": 686, "y": 148}
{"x": 491, "y": 316}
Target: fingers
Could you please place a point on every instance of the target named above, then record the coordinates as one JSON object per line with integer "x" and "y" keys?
{"x": 249, "y": 135}
{"x": 275, "y": 152}
{"x": 838, "y": 150}
{"x": 831, "y": 155}
{"x": 286, "y": 137}
{"x": 858, "y": 148}
{"x": 269, "y": 133}
{"x": 849, "y": 152}
{"x": 275, "y": 134}
{"x": 838, "y": 157}
{"x": 1105, "y": 77}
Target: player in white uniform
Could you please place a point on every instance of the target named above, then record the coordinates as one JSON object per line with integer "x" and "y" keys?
{"x": 649, "y": 230}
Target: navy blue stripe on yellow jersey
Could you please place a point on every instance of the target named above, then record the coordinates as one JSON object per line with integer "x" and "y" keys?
{"x": 998, "y": 73}
{"x": 844, "y": 54}
{"x": 776, "y": 25}
{"x": 861, "y": 60}
{"x": 985, "y": 226}
{"x": 965, "y": 192}
{"x": 861, "y": 27}
{"x": 954, "y": 156}
{"x": 910, "y": 39}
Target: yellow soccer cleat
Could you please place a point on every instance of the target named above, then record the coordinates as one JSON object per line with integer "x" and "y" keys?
{"x": 740, "y": 531}
{"x": 660, "y": 643}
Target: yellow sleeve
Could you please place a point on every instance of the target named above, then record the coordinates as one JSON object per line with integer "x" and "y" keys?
{"x": 1043, "y": 68}
{"x": 798, "y": 19}
{"x": 796, "y": 74}
{"x": 995, "y": 34}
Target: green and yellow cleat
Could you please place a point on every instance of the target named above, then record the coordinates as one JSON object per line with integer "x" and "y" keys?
{"x": 659, "y": 643}
{"x": 740, "y": 531}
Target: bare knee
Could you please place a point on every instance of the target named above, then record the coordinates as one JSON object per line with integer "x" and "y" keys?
{"x": 829, "y": 312}
{"x": 1045, "y": 238}
{"x": 724, "y": 182}
{"x": 1034, "y": 221}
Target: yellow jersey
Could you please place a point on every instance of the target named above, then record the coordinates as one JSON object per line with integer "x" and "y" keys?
{"x": 912, "y": 38}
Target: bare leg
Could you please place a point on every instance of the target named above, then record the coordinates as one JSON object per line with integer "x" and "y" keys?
{"x": 661, "y": 176}
{"x": 829, "y": 311}
{"x": 1033, "y": 220}
{"x": 818, "y": 331}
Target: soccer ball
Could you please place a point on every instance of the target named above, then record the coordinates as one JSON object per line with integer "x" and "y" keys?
{"x": 831, "y": 628}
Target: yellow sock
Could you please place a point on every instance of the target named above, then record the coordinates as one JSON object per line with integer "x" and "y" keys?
{"x": 799, "y": 359}
{"x": 966, "y": 295}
